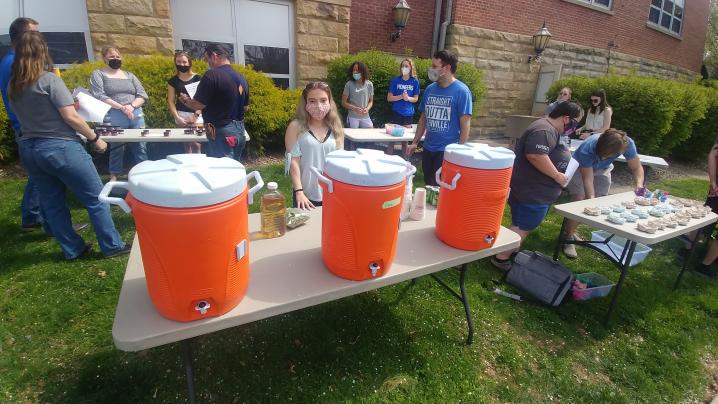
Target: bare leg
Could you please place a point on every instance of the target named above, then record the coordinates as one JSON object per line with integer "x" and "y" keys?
{"x": 572, "y": 225}
{"x": 712, "y": 253}
{"x": 507, "y": 254}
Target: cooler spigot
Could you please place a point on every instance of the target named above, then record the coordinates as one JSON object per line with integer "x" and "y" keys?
{"x": 489, "y": 238}
{"x": 374, "y": 268}
{"x": 202, "y": 306}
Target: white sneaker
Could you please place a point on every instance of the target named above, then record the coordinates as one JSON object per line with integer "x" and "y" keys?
{"x": 570, "y": 249}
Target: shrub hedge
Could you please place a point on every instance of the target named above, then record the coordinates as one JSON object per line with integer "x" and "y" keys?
{"x": 270, "y": 109}
{"x": 664, "y": 117}
{"x": 383, "y": 67}
{"x": 8, "y": 147}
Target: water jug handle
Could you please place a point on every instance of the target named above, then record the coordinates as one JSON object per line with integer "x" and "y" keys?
{"x": 411, "y": 170}
{"x": 106, "y": 198}
{"x": 254, "y": 189}
{"x": 451, "y": 186}
{"x": 322, "y": 178}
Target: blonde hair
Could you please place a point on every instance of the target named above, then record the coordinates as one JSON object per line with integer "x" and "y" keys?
{"x": 411, "y": 66}
{"x": 108, "y": 49}
{"x": 332, "y": 119}
{"x": 31, "y": 60}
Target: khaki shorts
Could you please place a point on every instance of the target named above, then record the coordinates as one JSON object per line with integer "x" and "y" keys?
{"x": 601, "y": 182}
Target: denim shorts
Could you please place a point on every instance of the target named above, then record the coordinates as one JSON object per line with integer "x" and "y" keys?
{"x": 527, "y": 216}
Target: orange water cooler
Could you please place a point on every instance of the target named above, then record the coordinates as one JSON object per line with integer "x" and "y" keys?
{"x": 474, "y": 185}
{"x": 190, "y": 213}
{"x": 362, "y": 195}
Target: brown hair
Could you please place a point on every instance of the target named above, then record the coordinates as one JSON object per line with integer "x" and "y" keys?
{"x": 332, "y": 119}
{"x": 31, "y": 60}
{"x": 412, "y": 69}
{"x": 597, "y": 109}
{"x": 612, "y": 142}
{"x": 108, "y": 49}
{"x": 363, "y": 70}
{"x": 179, "y": 53}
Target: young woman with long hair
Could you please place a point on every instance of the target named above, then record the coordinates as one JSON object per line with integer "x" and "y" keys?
{"x": 358, "y": 96}
{"x": 182, "y": 114}
{"x": 317, "y": 128}
{"x": 53, "y": 153}
{"x": 598, "y": 116}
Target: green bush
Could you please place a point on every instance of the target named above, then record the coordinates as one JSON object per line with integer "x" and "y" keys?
{"x": 383, "y": 67}
{"x": 8, "y": 147}
{"x": 270, "y": 108}
{"x": 704, "y": 133}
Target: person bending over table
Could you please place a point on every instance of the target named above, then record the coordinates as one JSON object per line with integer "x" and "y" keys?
{"x": 125, "y": 94}
{"x": 318, "y": 130}
{"x": 53, "y": 153}
{"x": 595, "y": 159}
{"x": 542, "y": 155}
{"x": 598, "y": 116}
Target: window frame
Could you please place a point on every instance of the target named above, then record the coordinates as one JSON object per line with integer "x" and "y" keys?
{"x": 590, "y": 5}
{"x": 658, "y": 27}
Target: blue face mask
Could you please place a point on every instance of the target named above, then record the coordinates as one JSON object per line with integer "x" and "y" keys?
{"x": 357, "y": 76}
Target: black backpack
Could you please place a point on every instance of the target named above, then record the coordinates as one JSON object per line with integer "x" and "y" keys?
{"x": 544, "y": 279}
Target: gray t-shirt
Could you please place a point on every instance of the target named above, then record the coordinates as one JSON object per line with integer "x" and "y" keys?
{"x": 123, "y": 91}
{"x": 528, "y": 184}
{"x": 37, "y": 109}
{"x": 358, "y": 95}
{"x": 313, "y": 151}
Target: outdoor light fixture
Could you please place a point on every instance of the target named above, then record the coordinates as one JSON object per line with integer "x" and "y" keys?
{"x": 401, "y": 15}
{"x": 540, "y": 40}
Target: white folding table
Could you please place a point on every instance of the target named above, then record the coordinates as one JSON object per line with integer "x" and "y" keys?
{"x": 379, "y": 135}
{"x": 287, "y": 274}
{"x": 574, "y": 211}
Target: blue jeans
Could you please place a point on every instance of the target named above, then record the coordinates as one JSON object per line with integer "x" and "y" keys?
{"x": 117, "y": 150}
{"x": 30, "y": 206}
{"x": 55, "y": 165}
{"x": 219, "y": 147}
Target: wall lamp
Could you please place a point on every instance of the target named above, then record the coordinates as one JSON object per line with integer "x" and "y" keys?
{"x": 401, "y": 13}
{"x": 540, "y": 39}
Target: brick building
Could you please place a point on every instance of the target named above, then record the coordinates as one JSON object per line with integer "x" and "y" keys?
{"x": 292, "y": 40}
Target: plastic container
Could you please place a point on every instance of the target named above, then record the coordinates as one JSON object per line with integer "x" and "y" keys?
{"x": 190, "y": 213}
{"x": 273, "y": 212}
{"x": 474, "y": 185}
{"x": 362, "y": 199}
{"x": 598, "y": 286}
{"x": 614, "y": 248}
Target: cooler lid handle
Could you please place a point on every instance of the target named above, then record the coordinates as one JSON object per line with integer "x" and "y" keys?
{"x": 106, "y": 198}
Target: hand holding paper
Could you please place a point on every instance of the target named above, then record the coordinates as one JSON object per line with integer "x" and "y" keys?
{"x": 570, "y": 170}
{"x": 91, "y": 109}
{"x": 191, "y": 88}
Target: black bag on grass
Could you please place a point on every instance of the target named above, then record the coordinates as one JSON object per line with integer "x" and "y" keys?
{"x": 542, "y": 278}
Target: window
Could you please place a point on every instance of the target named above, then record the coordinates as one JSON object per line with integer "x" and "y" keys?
{"x": 64, "y": 25}
{"x": 666, "y": 15}
{"x": 599, "y": 3}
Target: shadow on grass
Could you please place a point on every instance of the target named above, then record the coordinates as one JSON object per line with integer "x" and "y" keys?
{"x": 346, "y": 348}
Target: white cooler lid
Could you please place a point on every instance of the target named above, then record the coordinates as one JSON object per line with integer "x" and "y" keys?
{"x": 365, "y": 167}
{"x": 187, "y": 181}
{"x": 479, "y": 155}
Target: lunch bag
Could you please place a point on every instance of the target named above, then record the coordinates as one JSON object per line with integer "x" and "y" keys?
{"x": 544, "y": 279}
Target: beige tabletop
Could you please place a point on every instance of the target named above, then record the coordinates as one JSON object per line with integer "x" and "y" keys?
{"x": 286, "y": 274}
{"x": 378, "y": 135}
{"x": 155, "y": 136}
{"x": 574, "y": 210}
{"x": 651, "y": 161}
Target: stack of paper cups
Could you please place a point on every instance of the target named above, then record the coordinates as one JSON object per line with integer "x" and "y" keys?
{"x": 418, "y": 205}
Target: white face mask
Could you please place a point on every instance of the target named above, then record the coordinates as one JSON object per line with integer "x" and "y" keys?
{"x": 434, "y": 74}
{"x": 405, "y": 71}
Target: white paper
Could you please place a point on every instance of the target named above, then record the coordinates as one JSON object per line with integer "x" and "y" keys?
{"x": 191, "y": 88}
{"x": 91, "y": 109}
{"x": 570, "y": 170}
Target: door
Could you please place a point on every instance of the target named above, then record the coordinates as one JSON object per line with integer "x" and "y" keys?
{"x": 547, "y": 76}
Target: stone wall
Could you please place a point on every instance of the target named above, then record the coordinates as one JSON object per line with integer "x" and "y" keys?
{"x": 322, "y": 34}
{"x": 511, "y": 81}
{"x": 137, "y": 27}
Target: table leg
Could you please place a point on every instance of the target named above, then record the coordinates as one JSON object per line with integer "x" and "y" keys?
{"x": 463, "y": 297}
{"x": 404, "y": 145}
{"x": 688, "y": 258}
{"x": 623, "y": 265}
{"x": 189, "y": 369}
{"x": 559, "y": 242}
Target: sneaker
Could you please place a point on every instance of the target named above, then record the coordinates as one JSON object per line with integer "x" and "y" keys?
{"x": 83, "y": 253}
{"x": 503, "y": 265}
{"x": 570, "y": 249}
{"x": 706, "y": 270}
{"x": 123, "y": 251}
{"x": 31, "y": 227}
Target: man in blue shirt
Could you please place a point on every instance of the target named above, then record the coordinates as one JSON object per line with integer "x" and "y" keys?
{"x": 445, "y": 114}
{"x": 595, "y": 157}
{"x": 30, "y": 206}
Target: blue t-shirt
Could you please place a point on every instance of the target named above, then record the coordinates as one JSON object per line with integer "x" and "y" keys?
{"x": 5, "y": 71}
{"x": 587, "y": 157}
{"x": 397, "y": 87}
{"x": 442, "y": 108}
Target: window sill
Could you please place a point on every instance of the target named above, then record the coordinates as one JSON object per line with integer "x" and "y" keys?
{"x": 591, "y": 6}
{"x": 663, "y": 30}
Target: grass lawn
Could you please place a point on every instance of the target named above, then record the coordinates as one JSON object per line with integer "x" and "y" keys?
{"x": 400, "y": 344}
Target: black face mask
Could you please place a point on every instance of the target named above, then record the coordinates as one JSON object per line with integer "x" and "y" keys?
{"x": 182, "y": 69}
{"x": 114, "y": 63}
